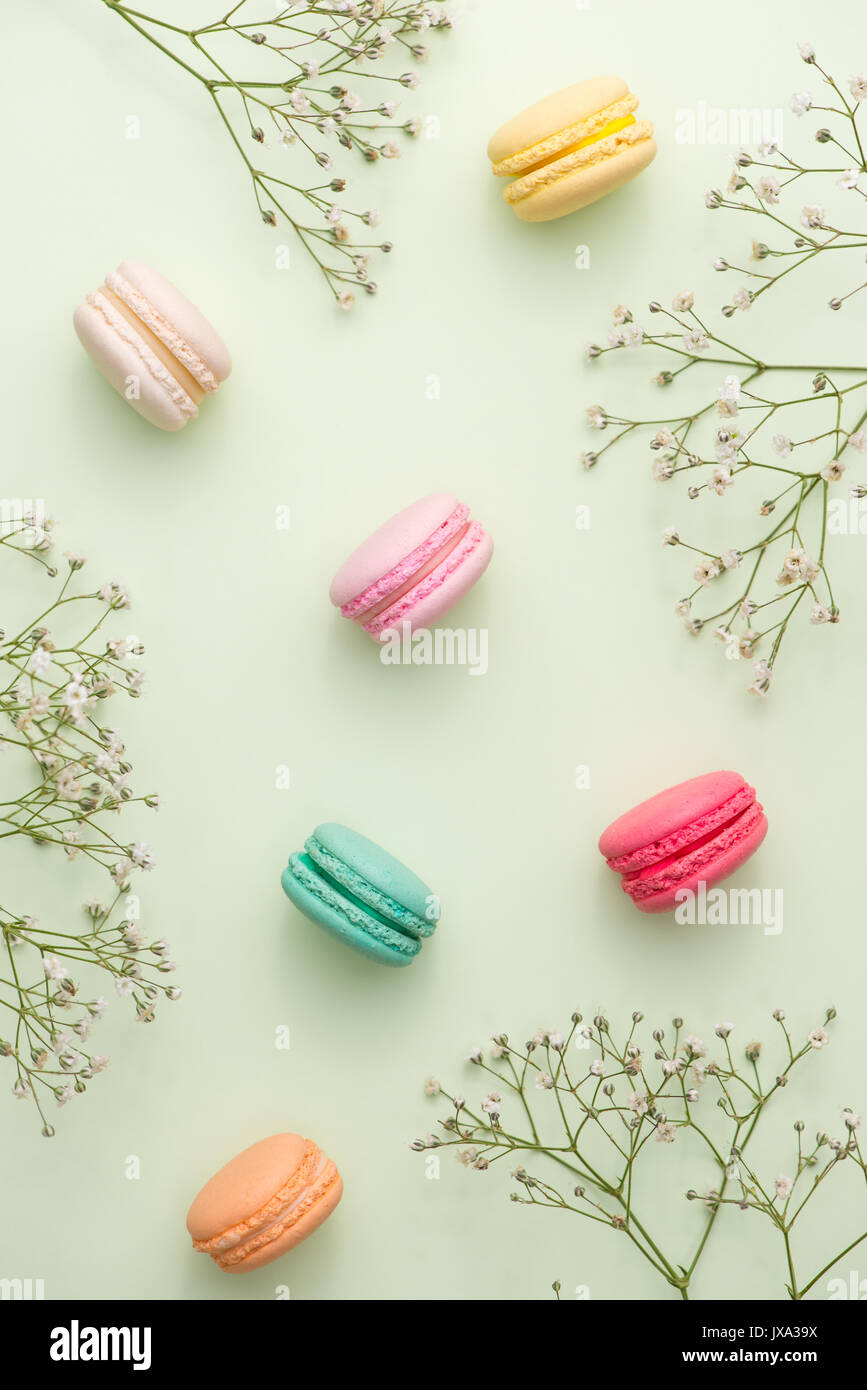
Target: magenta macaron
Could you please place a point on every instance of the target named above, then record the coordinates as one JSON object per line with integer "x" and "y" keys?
{"x": 697, "y": 832}
{"x": 413, "y": 568}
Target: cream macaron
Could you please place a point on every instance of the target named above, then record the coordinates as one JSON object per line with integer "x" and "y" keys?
{"x": 571, "y": 149}
{"x": 154, "y": 347}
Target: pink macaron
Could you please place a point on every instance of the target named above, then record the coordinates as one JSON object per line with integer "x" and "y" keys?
{"x": 414, "y": 568}
{"x": 697, "y": 832}
{"x": 154, "y": 347}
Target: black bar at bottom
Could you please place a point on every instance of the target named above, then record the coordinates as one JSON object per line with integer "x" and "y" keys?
{"x": 136, "y": 1338}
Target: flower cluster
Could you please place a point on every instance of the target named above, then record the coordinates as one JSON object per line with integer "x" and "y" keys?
{"x": 607, "y": 1100}
{"x": 795, "y": 443}
{"x": 57, "y": 674}
{"x": 317, "y": 79}
{"x": 783, "y": 1200}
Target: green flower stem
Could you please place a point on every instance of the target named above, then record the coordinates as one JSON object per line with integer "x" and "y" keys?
{"x": 800, "y": 1293}
{"x": 664, "y": 1110}
{"x": 339, "y": 47}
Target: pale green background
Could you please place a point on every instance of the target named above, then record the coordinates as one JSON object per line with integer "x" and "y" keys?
{"x": 470, "y": 780}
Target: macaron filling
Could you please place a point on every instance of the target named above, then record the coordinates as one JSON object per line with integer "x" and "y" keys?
{"x": 698, "y": 854}
{"x": 362, "y": 890}
{"x": 165, "y": 332}
{"x": 302, "y": 1190}
{"x": 408, "y": 571}
{"x": 582, "y": 156}
{"x": 187, "y": 382}
{"x": 573, "y": 136}
{"x": 147, "y": 348}
{"x": 678, "y": 840}
{"x": 426, "y": 583}
{"x": 353, "y": 909}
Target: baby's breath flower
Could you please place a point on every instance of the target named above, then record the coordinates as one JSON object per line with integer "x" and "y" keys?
{"x": 833, "y": 471}
{"x": 87, "y": 776}
{"x": 743, "y": 444}
{"x": 53, "y": 968}
{"x": 768, "y": 190}
{"x": 583, "y": 1105}
{"x": 662, "y": 468}
{"x": 696, "y": 341}
{"x": 720, "y": 479}
{"x": 813, "y": 215}
{"x": 730, "y": 390}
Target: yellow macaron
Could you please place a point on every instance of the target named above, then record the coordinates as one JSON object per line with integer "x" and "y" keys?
{"x": 571, "y": 148}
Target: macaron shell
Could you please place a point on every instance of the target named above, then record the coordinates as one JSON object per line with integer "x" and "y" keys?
{"x": 296, "y": 1233}
{"x": 188, "y": 321}
{"x": 696, "y": 857}
{"x": 365, "y": 857}
{"x": 118, "y": 360}
{"x": 553, "y": 113}
{"x": 323, "y": 905}
{"x": 389, "y": 544}
{"x": 719, "y": 868}
{"x": 680, "y": 840}
{"x": 244, "y": 1185}
{"x": 586, "y": 185}
{"x": 426, "y": 610}
{"x": 373, "y": 877}
{"x": 668, "y": 811}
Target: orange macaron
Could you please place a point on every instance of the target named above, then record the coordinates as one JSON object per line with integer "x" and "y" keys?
{"x": 264, "y": 1202}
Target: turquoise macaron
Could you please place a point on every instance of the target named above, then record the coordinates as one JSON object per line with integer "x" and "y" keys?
{"x": 361, "y": 894}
